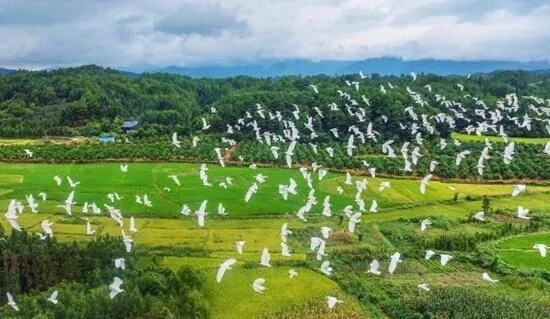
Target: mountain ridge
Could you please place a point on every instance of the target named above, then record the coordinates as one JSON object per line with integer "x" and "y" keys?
{"x": 382, "y": 66}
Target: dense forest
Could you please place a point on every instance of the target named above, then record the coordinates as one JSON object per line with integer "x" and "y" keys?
{"x": 32, "y": 269}
{"x": 90, "y": 100}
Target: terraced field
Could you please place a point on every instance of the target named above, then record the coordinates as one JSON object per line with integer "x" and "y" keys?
{"x": 518, "y": 251}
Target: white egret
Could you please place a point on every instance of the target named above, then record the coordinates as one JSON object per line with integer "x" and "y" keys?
{"x": 226, "y": 265}
{"x": 114, "y": 287}
{"x": 258, "y": 285}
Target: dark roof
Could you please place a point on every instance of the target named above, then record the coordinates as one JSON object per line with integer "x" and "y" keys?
{"x": 129, "y": 124}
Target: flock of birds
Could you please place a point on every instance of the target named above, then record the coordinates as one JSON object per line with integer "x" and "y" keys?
{"x": 298, "y": 126}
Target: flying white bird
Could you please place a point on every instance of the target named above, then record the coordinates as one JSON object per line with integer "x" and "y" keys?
{"x": 57, "y": 180}
{"x": 289, "y": 152}
{"x": 424, "y": 183}
{"x": 285, "y": 251}
{"x": 485, "y": 276}
{"x": 374, "y": 267}
{"x": 433, "y": 165}
{"x": 185, "y": 210}
{"x": 68, "y": 203}
{"x": 460, "y": 156}
{"x": 266, "y": 257}
{"x": 517, "y": 189}
{"x": 332, "y": 301}
{"x": 205, "y": 125}
{"x": 325, "y": 231}
{"x": 175, "y": 141}
{"x": 480, "y": 216}
{"x": 292, "y": 273}
{"x": 429, "y": 254}
{"x": 424, "y": 287}
{"x": 146, "y": 201}
{"x": 258, "y": 285}
{"x": 424, "y": 224}
{"x": 221, "y": 209}
{"x": 350, "y": 146}
{"x": 522, "y": 213}
{"x": 285, "y": 232}
{"x": 444, "y": 259}
{"x": 11, "y": 302}
{"x": 240, "y": 245}
{"x": 89, "y": 230}
{"x": 541, "y": 248}
{"x": 394, "y": 260}
{"x": 226, "y": 265}
{"x": 47, "y": 227}
{"x": 114, "y": 287}
{"x": 508, "y": 153}
{"x": 383, "y": 185}
{"x": 326, "y": 268}
{"x": 120, "y": 263}
{"x": 194, "y": 141}
{"x": 314, "y": 87}
{"x": 53, "y": 297}
{"x": 33, "y": 205}
{"x": 124, "y": 168}
{"x": 71, "y": 182}
{"x": 133, "y": 228}
{"x": 374, "y": 206}
{"x": 175, "y": 179}
{"x": 252, "y": 190}
{"x": 353, "y": 221}
{"x": 127, "y": 241}
{"x": 201, "y": 213}
{"x": 275, "y": 151}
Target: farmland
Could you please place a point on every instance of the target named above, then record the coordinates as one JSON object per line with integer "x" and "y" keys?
{"x": 518, "y": 251}
{"x": 179, "y": 242}
{"x": 497, "y": 139}
{"x": 98, "y": 180}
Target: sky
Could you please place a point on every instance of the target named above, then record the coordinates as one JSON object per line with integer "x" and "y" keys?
{"x": 119, "y": 33}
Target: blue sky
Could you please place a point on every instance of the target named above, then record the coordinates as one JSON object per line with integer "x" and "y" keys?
{"x": 49, "y": 33}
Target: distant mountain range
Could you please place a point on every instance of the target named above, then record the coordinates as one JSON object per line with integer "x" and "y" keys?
{"x": 383, "y": 66}
{"x": 5, "y": 71}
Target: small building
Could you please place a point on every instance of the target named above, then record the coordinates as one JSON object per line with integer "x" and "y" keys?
{"x": 106, "y": 139}
{"x": 128, "y": 126}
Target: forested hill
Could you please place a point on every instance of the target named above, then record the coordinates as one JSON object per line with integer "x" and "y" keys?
{"x": 91, "y": 100}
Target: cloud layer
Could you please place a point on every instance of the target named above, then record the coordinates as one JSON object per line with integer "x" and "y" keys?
{"x": 194, "y": 32}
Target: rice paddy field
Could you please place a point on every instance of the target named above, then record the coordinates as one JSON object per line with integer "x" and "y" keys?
{"x": 179, "y": 241}
{"x": 476, "y": 138}
{"x": 518, "y": 251}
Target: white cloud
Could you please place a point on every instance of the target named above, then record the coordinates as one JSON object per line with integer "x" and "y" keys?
{"x": 139, "y": 32}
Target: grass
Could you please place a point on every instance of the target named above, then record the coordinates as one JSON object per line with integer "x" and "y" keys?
{"x": 97, "y": 180}
{"x": 518, "y": 251}
{"x": 475, "y": 138}
{"x": 525, "y": 259}
{"x": 226, "y": 298}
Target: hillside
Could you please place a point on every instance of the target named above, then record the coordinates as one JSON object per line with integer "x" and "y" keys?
{"x": 91, "y": 100}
